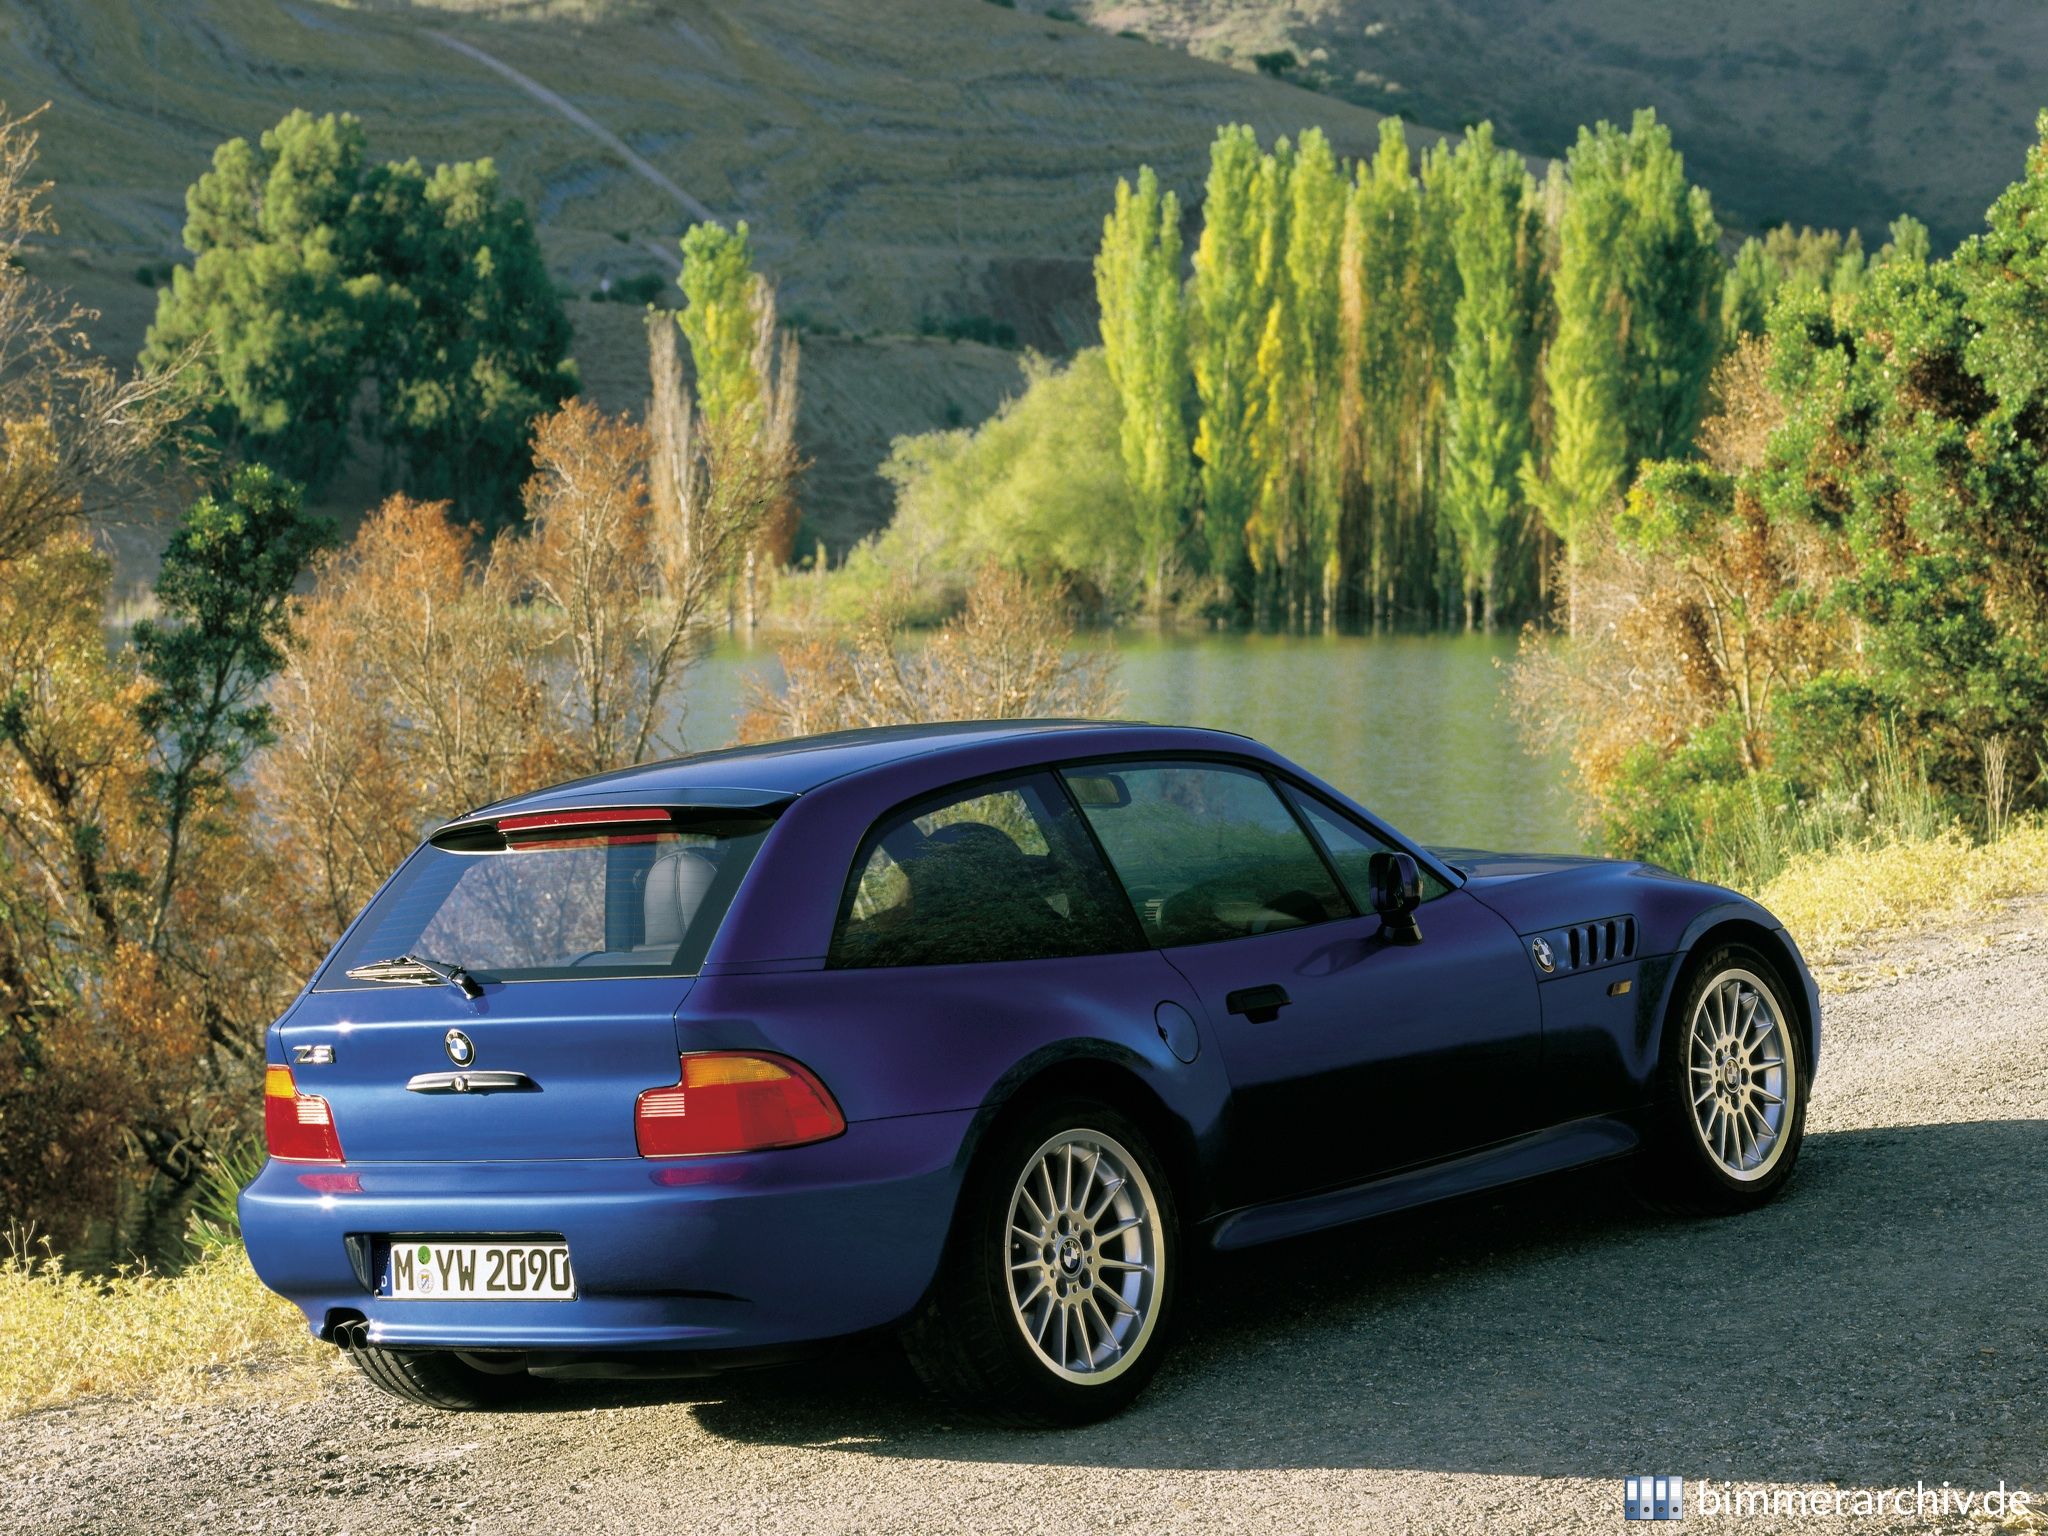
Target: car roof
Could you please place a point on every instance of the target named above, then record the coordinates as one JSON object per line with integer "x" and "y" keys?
{"x": 772, "y": 772}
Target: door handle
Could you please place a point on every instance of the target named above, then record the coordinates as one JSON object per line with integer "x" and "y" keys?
{"x": 1259, "y": 1005}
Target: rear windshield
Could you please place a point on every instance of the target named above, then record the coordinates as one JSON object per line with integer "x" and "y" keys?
{"x": 633, "y": 901}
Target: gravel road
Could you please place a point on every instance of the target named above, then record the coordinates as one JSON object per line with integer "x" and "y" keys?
{"x": 1498, "y": 1365}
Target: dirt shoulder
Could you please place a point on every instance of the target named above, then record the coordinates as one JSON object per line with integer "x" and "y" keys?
{"x": 1500, "y": 1364}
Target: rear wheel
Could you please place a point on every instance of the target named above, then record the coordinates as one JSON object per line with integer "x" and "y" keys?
{"x": 1732, "y": 1081}
{"x": 438, "y": 1379}
{"x": 1052, "y": 1302}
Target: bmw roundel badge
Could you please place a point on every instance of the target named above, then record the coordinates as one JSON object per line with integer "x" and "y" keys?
{"x": 1546, "y": 959}
{"x": 461, "y": 1050}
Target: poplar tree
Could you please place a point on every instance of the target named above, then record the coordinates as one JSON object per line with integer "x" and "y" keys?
{"x": 1638, "y": 296}
{"x": 1303, "y": 468}
{"x": 722, "y": 295}
{"x": 1395, "y": 305}
{"x": 1144, "y": 340}
{"x": 1496, "y": 238}
{"x": 1228, "y": 303}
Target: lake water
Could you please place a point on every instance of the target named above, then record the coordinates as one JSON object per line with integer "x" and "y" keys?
{"x": 1414, "y": 726}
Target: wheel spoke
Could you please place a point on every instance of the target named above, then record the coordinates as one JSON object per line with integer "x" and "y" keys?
{"x": 1110, "y": 1187}
{"x": 1129, "y": 1266}
{"x": 1024, "y": 1194}
{"x": 1108, "y": 1333}
{"x": 1123, "y": 1307}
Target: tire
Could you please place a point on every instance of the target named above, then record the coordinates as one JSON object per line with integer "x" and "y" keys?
{"x": 440, "y": 1379}
{"x": 1718, "y": 1144}
{"x": 1049, "y": 1351}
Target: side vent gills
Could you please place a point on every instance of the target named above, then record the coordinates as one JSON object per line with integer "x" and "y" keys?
{"x": 1581, "y": 947}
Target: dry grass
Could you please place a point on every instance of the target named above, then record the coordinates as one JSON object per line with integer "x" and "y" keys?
{"x": 65, "y": 1335}
{"x": 1832, "y": 902}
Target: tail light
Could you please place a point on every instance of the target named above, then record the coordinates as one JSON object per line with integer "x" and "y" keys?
{"x": 297, "y": 1126}
{"x": 730, "y": 1101}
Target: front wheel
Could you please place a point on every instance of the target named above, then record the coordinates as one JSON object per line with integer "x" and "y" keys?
{"x": 1731, "y": 1110}
{"x": 1051, "y": 1303}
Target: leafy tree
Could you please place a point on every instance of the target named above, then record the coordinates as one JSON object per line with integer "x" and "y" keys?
{"x": 314, "y": 271}
{"x": 1398, "y": 288}
{"x": 1497, "y": 243}
{"x": 722, "y": 295}
{"x": 470, "y": 339}
{"x": 1300, "y": 357}
{"x": 277, "y": 284}
{"x": 1144, "y": 345}
{"x": 1228, "y": 301}
{"x": 1908, "y": 243}
{"x": 1638, "y": 292}
{"x": 224, "y": 587}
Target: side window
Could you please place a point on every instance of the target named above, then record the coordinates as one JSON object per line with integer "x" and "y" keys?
{"x": 1005, "y": 872}
{"x": 1205, "y": 851}
{"x": 1351, "y": 848}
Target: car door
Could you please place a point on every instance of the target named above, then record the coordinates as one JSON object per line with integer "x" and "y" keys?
{"x": 1349, "y": 1055}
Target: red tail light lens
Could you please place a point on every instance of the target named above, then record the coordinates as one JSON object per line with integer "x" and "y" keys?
{"x": 730, "y": 1101}
{"x": 297, "y": 1126}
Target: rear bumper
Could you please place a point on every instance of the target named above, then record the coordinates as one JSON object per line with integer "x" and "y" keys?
{"x": 739, "y": 1254}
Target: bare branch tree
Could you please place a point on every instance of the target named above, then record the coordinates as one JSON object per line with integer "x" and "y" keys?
{"x": 74, "y": 434}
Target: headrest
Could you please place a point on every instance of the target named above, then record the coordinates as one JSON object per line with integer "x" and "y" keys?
{"x": 676, "y": 886}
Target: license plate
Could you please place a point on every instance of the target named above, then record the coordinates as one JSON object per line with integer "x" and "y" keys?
{"x": 436, "y": 1269}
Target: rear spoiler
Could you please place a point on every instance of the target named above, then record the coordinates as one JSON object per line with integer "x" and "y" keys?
{"x": 521, "y": 821}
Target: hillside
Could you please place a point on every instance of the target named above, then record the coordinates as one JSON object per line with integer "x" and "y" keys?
{"x": 1826, "y": 112}
{"x": 951, "y": 165}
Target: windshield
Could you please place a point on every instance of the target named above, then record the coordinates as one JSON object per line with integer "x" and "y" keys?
{"x": 634, "y": 901}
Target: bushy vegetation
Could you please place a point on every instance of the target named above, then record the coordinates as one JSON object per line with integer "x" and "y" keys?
{"x": 1830, "y": 624}
{"x": 1007, "y": 655}
{"x": 1039, "y": 488}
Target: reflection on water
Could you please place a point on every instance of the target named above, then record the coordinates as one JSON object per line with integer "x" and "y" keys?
{"x": 1414, "y": 726}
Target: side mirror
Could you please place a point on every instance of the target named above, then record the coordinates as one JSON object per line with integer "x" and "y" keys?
{"x": 1396, "y": 893}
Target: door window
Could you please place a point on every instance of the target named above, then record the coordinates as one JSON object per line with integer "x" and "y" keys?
{"x": 1351, "y": 847}
{"x": 1002, "y": 872}
{"x": 1205, "y": 851}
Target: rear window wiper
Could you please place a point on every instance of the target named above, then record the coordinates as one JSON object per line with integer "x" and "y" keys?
{"x": 420, "y": 971}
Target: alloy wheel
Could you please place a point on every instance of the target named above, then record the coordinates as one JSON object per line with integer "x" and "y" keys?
{"x": 1086, "y": 1256}
{"x": 1740, "y": 1075}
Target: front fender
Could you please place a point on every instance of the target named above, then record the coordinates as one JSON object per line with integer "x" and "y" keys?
{"x": 1738, "y": 917}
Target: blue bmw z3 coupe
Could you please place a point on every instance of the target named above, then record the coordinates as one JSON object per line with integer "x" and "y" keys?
{"x": 974, "y": 1032}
